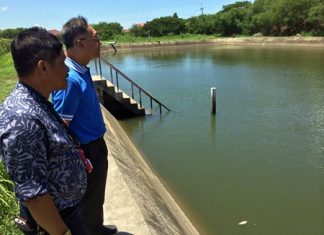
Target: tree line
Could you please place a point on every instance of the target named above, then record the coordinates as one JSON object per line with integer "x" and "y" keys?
{"x": 261, "y": 17}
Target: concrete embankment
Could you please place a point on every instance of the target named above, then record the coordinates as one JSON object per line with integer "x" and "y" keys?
{"x": 136, "y": 201}
{"x": 263, "y": 41}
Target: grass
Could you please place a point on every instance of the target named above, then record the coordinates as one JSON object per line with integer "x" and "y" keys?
{"x": 8, "y": 202}
{"x": 8, "y": 77}
{"x": 128, "y": 38}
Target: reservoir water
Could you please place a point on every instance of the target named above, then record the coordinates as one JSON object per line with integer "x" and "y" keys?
{"x": 260, "y": 159}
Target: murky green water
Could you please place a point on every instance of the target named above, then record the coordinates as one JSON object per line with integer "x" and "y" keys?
{"x": 261, "y": 158}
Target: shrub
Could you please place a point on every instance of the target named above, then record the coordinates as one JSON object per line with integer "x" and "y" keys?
{"x": 4, "y": 45}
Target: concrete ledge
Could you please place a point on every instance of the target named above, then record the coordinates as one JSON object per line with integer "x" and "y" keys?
{"x": 264, "y": 41}
{"x": 136, "y": 201}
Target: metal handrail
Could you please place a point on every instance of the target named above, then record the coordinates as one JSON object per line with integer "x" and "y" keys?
{"x": 133, "y": 84}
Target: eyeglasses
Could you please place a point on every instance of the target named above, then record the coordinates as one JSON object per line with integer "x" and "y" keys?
{"x": 93, "y": 38}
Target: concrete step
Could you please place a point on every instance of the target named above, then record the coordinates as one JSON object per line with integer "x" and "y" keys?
{"x": 116, "y": 101}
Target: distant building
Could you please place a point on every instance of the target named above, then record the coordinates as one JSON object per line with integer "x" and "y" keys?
{"x": 139, "y": 25}
{"x": 54, "y": 32}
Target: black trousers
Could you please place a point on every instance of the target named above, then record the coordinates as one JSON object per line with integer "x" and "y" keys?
{"x": 71, "y": 216}
{"x": 92, "y": 204}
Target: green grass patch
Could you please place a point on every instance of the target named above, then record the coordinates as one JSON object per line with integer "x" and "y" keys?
{"x": 128, "y": 38}
{"x": 8, "y": 204}
{"x": 8, "y": 76}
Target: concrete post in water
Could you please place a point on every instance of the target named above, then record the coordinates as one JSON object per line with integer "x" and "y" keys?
{"x": 213, "y": 99}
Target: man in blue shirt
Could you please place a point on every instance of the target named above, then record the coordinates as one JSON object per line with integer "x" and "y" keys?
{"x": 39, "y": 153}
{"x": 79, "y": 106}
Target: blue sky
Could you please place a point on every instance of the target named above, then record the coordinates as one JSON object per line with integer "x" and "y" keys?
{"x": 52, "y": 14}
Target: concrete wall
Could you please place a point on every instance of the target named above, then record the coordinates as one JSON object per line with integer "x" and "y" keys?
{"x": 136, "y": 201}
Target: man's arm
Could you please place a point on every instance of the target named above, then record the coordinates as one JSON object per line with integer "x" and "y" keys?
{"x": 46, "y": 214}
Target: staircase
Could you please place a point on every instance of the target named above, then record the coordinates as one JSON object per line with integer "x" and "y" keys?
{"x": 115, "y": 100}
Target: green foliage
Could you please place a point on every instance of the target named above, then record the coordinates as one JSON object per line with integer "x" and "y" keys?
{"x": 236, "y": 5}
{"x": 107, "y": 31}
{"x": 128, "y": 37}
{"x": 170, "y": 25}
{"x": 4, "y": 46}
{"x": 283, "y": 17}
{"x": 235, "y": 19}
{"x": 203, "y": 24}
{"x": 10, "y": 33}
{"x": 7, "y": 75}
{"x": 137, "y": 31}
{"x": 8, "y": 204}
{"x": 315, "y": 20}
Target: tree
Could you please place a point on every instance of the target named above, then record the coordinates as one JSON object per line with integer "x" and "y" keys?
{"x": 107, "y": 31}
{"x": 137, "y": 30}
{"x": 203, "y": 24}
{"x": 10, "y": 33}
{"x": 235, "y": 18}
{"x": 315, "y": 20}
{"x": 170, "y": 25}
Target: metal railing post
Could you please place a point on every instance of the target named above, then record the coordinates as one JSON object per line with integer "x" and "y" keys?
{"x": 96, "y": 66}
{"x": 100, "y": 68}
{"x": 117, "y": 80}
{"x": 140, "y": 96}
{"x": 132, "y": 91}
{"x": 111, "y": 76}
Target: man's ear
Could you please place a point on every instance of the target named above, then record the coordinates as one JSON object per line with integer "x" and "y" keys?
{"x": 43, "y": 67}
{"x": 79, "y": 43}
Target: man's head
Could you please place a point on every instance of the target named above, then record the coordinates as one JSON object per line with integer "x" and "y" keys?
{"x": 38, "y": 54}
{"x": 78, "y": 35}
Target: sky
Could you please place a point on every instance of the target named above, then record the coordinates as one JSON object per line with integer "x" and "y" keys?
{"x": 52, "y": 14}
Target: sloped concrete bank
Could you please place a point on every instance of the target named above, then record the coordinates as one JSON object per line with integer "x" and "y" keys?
{"x": 300, "y": 41}
{"x": 136, "y": 201}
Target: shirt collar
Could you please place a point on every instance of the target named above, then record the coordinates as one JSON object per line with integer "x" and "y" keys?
{"x": 72, "y": 64}
{"x": 37, "y": 96}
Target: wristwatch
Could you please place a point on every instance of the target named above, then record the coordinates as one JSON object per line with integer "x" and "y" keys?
{"x": 68, "y": 232}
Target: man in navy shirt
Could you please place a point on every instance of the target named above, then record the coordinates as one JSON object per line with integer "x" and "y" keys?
{"x": 38, "y": 151}
{"x": 79, "y": 106}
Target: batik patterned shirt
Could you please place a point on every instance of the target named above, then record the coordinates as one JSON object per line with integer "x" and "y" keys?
{"x": 37, "y": 150}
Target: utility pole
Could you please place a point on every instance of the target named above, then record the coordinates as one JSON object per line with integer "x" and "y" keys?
{"x": 201, "y": 8}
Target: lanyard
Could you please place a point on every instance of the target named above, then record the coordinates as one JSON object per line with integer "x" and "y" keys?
{"x": 86, "y": 162}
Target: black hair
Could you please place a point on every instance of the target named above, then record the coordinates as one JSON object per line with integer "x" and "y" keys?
{"x": 32, "y": 45}
{"x": 72, "y": 29}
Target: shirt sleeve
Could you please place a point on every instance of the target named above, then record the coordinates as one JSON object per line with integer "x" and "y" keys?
{"x": 25, "y": 153}
{"x": 66, "y": 102}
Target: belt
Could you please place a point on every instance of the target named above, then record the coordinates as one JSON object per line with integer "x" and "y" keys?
{"x": 97, "y": 141}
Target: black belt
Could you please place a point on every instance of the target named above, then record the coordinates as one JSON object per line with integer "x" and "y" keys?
{"x": 93, "y": 142}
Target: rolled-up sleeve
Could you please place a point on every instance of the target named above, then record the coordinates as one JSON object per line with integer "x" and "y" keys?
{"x": 25, "y": 153}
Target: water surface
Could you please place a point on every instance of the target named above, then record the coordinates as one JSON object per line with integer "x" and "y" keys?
{"x": 260, "y": 159}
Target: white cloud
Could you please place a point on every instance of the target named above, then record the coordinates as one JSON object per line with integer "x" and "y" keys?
{"x": 4, "y": 8}
{"x": 39, "y": 25}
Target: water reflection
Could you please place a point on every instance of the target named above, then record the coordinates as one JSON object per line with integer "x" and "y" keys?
{"x": 213, "y": 128}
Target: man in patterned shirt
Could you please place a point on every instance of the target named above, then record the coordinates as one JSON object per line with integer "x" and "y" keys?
{"x": 39, "y": 153}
